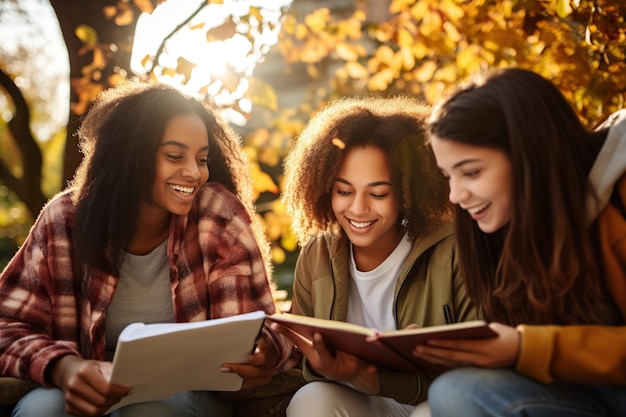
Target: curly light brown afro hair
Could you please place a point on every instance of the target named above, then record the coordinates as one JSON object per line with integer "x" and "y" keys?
{"x": 393, "y": 124}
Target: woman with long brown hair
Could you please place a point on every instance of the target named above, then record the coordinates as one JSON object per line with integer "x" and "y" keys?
{"x": 542, "y": 248}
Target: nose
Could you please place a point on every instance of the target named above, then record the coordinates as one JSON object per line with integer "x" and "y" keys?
{"x": 191, "y": 170}
{"x": 458, "y": 193}
{"x": 359, "y": 204}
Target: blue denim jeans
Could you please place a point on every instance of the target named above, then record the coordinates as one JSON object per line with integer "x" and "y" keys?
{"x": 474, "y": 392}
{"x": 49, "y": 402}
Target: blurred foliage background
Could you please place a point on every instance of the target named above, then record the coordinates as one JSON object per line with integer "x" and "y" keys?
{"x": 270, "y": 68}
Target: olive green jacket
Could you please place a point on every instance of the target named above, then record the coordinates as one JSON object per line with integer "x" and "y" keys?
{"x": 428, "y": 280}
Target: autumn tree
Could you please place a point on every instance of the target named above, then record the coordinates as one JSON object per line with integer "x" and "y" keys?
{"x": 416, "y": 47}
{"x": 425, "y": 46}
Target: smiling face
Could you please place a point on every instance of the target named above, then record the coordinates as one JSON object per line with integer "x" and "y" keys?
{"x": 364, "y": 202}
{"x": 480, "y": 181}
{"x": 181, "y": 165}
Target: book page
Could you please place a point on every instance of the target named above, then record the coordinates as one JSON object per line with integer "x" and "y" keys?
{"x": 159, "y": 360}
{"x": 347, "y": 337}
{"x": 404, "y": 341}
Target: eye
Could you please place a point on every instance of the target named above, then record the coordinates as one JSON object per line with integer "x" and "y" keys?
{"x": 379, "y": 196}
{"x": 174, "y": 156}
{"x": 203, "y": 160}
{"x": 471, "y": 174}
{"x": 342, "y": 192}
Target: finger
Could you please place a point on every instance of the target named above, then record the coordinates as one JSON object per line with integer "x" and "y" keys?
{"x": 252, "y": 375}
{"x": 467, "y": 345}
{"x": 322, "y": 350}
{"x": 95, "y": 378}
{"x": 305, "y": 345}
{"x": 446, "y": 356}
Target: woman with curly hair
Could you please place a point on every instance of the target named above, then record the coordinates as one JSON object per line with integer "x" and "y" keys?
{"x": 371, "y": 213}
{"x": 155, "y": 227}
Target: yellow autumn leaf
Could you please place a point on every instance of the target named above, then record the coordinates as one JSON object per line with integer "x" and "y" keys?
{"x": 86, "y": 90}
{"x": 405, "y": 38}
{"x": 262, "y": 94}
{"x": 125, "y": 15}
{"x": 385, "y": 54}
{"x": 316, "y": 20}
{"x": 255, "y": 12}
{"x": 145, "y": 6}
{"x": 273, "y": 225}
{"x": 466, "y": 58}
{"x": 278, "y": 255}
{"x": 109, "y": 12}
{"x": 99, "y": 58}
{"x": 451, "y": 9}
{"x": 312, "y": 71}
{"x": 419, "y": 10}
{"x": 184, "y": 67}
{"x": 382, "y": 33}
{"x": 87, "y": 35}
{"x": 426, "y": 71}
{"x": 259, "y": 137}
{"x": 250, "y": 152}
{"x": 398, "y": 6}
{"x": 301, "y": 31}
{"x": 198, "y": 26}
{"x": 381, "y": 80}
{"x": 262, "y": 181}
{"x": 270, "y": 156}
{"x": 356, "y": 70}
{"x": 563, "y": 8}
{"x": 360, "y": 15}
{"x": 419, "y": 50}
{"x": 446, "y": 74}
{"x": 616, "y": 51}
{"x": 289, "y": 242}
{"x": 147, "y": 59}
{"x": 346, "y": 52}
{"x": 507, "y": 8}
{"x": 408, "y": 59}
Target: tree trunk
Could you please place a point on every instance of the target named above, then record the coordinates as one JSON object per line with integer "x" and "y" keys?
{"x": 28, "y": 185}
{"x": 116, "y": 43}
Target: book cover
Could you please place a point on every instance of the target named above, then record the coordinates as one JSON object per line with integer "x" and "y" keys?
{"x": 389, "y": 349}
{"x": 162, "y": 359}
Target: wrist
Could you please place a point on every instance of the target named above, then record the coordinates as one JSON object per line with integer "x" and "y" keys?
{"x": 57, "y": 370}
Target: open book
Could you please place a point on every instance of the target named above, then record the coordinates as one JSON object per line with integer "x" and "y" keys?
{"x": 391, "y": 349}
{"x": 162, "y": 359}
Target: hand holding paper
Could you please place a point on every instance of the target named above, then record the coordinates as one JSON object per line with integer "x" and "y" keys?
{"x": 159, "y": 360}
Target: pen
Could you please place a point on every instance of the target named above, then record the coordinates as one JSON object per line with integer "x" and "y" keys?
{"x": 447, "y": 314}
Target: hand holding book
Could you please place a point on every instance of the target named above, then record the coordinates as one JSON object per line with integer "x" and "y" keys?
{"x": 332, "y": 364}
{"x": 388, "y": 349}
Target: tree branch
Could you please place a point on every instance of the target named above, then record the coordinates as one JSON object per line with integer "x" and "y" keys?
{"x": 172, "y": 33}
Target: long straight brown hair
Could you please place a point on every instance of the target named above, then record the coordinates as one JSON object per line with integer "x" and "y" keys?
{"x": 541, "y": 267}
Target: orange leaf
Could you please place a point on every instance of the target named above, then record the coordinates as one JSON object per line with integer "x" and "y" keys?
{"x": 226, "y": 30}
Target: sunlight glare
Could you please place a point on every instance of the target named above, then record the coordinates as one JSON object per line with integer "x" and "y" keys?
{"x": 190, "y": 63}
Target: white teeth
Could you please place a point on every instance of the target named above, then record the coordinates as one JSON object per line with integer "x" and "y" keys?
{"x": 478, "y": 209}
{"x": 360, "y": 225}
{"x": 180, "y": 188}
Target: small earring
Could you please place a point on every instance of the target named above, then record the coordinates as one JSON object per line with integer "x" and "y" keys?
{"x": 404, "y": 222}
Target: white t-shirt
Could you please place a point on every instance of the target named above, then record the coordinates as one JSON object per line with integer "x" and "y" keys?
{"x": 143, "y": 294}
{"x": 371, "y": 293}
